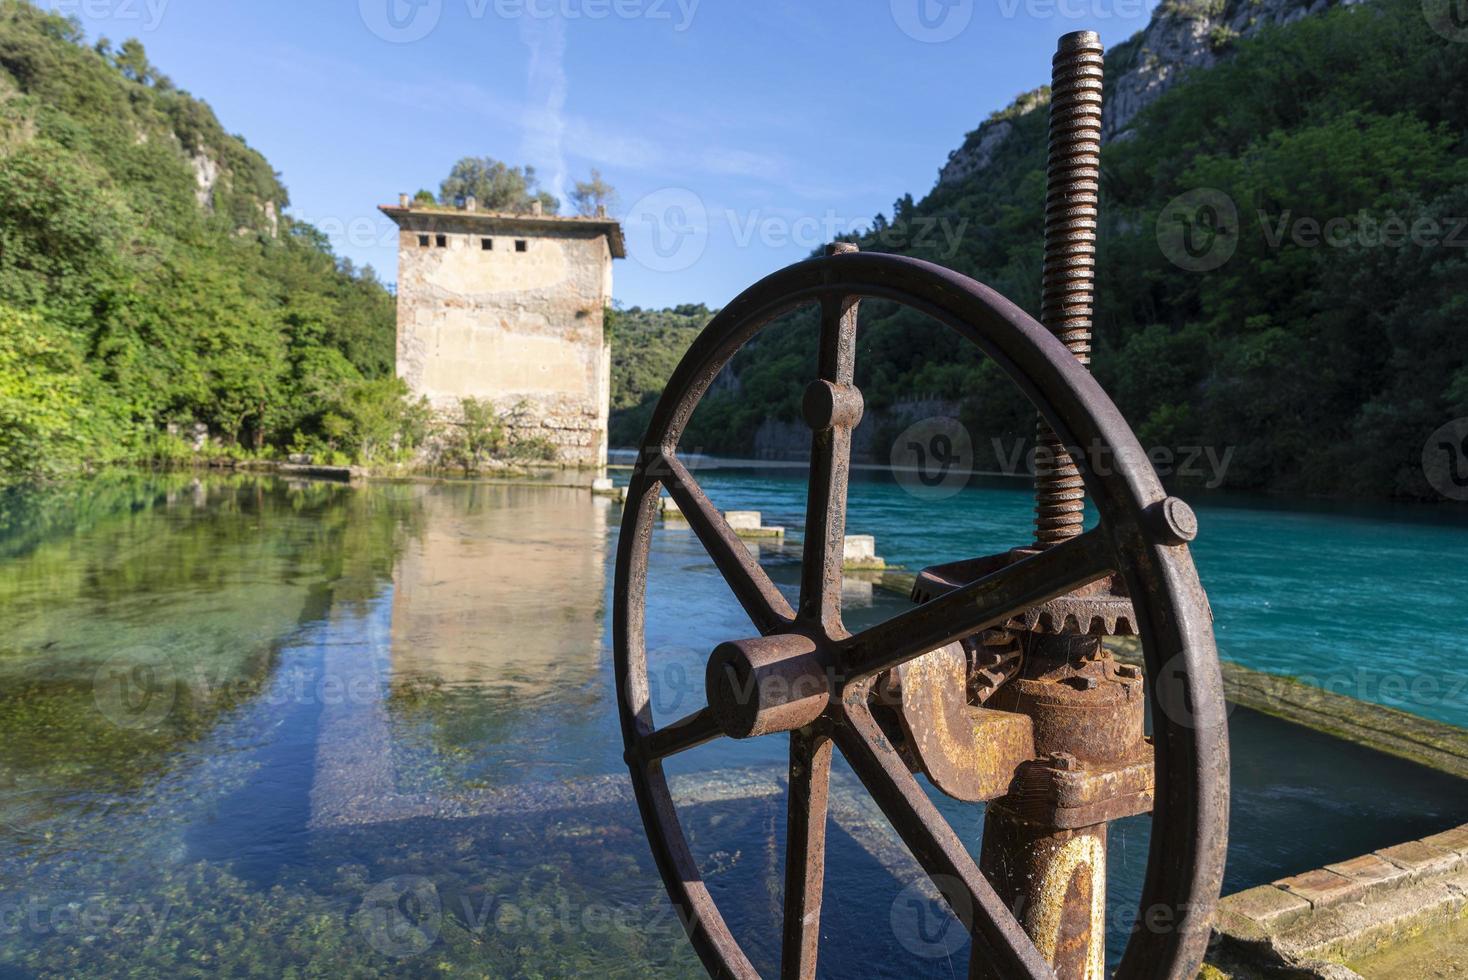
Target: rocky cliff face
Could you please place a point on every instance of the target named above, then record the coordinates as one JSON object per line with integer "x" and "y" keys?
{"x": 978, "y": 150}
{"x": 1183, "y": 35}
{"x": 208, "y": 173}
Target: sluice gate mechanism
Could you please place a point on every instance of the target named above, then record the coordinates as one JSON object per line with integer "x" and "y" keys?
{"x": 995, "y": 686}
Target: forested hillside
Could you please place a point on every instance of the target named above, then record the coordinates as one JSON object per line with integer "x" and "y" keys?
{"x": 149, "y": 280}
{"x": 1323, "y": 352}
{"x": 646, "y": 347}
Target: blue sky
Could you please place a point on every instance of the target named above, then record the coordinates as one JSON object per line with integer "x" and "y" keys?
{"x": 740, "y": 134}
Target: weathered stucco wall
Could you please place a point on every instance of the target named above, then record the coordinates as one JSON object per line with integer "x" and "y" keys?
{"x": 518, "y": 328}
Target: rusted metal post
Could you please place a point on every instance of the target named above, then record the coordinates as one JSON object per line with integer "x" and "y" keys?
{"x": 1051, "y": 872}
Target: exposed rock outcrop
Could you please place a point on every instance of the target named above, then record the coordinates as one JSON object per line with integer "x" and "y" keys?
{"x": 206, "y": 175}
{"x": 978, "y": 150}
{"x": 1183, "y": 35}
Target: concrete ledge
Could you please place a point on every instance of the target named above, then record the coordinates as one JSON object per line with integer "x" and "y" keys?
{"x": 1313, "y": 924}
{"x": 1435, "y": 744}
{"x": 1369, "y": 869}
{"x": 1322, "y": 887}
{"x": 750, "y": 524}
{"x": 1420, "y": 859}
{"x": 1455, "y": 840}
{"x": 344, "y": 474}
{"x": 860, "y": 554}
{"x": 1252, "y": 913}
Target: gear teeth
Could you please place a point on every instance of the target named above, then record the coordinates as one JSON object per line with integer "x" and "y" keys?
{"x": 1045, "y": 621}
{"x": 994, "y": 657}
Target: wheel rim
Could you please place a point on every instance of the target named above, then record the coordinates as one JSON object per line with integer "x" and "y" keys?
{"x": 1189, "y": 825}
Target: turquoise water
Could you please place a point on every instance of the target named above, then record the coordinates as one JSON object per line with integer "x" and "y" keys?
{"x": 257, "y": 727}
{"x": 1364, "y": 601}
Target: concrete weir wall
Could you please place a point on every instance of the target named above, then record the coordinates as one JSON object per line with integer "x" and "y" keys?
{"x": 510, "y": 308}
{"x": 1400, "y": 910}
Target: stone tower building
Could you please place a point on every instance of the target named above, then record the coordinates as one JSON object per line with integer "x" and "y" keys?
{"x": 509, "y": 308}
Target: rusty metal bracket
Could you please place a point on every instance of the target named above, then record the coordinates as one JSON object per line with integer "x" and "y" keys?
{"x": 970, "y": 753}
{"x": 1055, "y": 792}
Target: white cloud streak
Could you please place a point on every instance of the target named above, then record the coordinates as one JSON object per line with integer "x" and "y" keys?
{"x": 543, "y": 142}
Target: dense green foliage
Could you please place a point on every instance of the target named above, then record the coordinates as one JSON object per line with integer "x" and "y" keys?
{"x": 646, "y": 346}
{"x": 148, "y": 278}
{"x": 1324, "y": 364}
{"x": 478, "y": 436}
{"x": 495, "y": 186}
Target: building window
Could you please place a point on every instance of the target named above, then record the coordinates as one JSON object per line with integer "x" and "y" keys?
{"x": 422, "y": 241}
{"x": 487, "y": 244}
{"x": 521, "y": 246}
{"x": 443, "y": 241}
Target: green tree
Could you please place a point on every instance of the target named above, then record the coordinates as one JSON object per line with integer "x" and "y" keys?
{"x": 477, "y": 436}
{"x": 1322, "y": 359}
{"x": 495, "y": 186}
{"x": 133, "y": 62}
{"x": 594, "y": 195}
{"x": 53, "y": 412}
{"x": 384, "y": 424}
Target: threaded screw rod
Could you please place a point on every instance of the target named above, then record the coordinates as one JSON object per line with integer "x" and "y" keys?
{"x": 1068, "y": 282}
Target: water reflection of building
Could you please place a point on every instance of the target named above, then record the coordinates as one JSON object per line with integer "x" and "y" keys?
{"x": 504, "y": 586}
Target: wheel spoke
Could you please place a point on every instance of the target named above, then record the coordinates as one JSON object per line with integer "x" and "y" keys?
{"x": 766, "y": 607}
{"x": 830, "y": 466}
{"x": 997, "y": 934}
{"x": 805, "y": 852}
{"x": 686, "y": 733}
{"x": 695, "y": 907}
{"x": 990, "y": 601}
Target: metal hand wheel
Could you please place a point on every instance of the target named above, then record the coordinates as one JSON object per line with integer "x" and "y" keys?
{"x": 804, "y": 674}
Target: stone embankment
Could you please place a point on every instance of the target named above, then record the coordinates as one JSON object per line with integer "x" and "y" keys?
{"x": 1372, "y": 908}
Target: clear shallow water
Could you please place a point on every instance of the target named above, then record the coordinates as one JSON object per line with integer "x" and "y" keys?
{"x": 252, "y": 727}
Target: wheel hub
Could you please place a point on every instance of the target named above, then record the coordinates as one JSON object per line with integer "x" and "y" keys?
{"x": 770, "y": 684}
